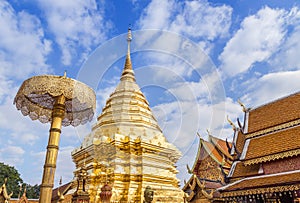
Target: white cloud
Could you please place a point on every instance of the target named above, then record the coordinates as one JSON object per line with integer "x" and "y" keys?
{"x": 181, "y": 120}
{"x": 196, "y": 19}
{"x": 157, "y": 15}
{"x": 12, "y": 155}
{"x": 288, "y": 56}
{"x": 272, "y": 86}
{"x": 192, "y": 18}
{"x": 271, "y": 35}
{"x": 75, "y": 24}
{"x": 258, "y": 38}
{"x": 200, "y": 19}
{"x": 23, "y": 47}
{"x": 13, "y": 120}
{"x": 64, "y": 165}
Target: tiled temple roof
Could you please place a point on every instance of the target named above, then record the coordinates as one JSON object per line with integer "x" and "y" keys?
{"x": 271, "y": 132}
{"x": 240, "y": 170}
{"x": 274, "y": 113}
{"x": 215, "y": 150}
{"x": 273, "y": 146}
{"x": 263, "y": 184}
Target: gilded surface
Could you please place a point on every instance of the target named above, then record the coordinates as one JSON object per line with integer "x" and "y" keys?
{"x": 202, "y": 192}
{"x": 4, "y": 196}
{"x": 262, "y": 190}
{"x": 37, "y": 95}
{"x": 127, "y": 148}
{"x": 209, "y": 170}
{"x": 273, "y": 157}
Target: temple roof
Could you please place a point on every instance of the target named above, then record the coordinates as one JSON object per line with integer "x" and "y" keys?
{"x": 240, "y": 170}
{"x": 61, "y": 189}
{"x": 211, "y": 154}
{"x": 272, "y": 146}
{"x": 221, "y": 146}
{"x": 280, "y": 111}
{"x": 216, "y": 149}
{"x": 271, "y": 133}
{"x": 257, "y": 182}
{"x": 205, "y": 187}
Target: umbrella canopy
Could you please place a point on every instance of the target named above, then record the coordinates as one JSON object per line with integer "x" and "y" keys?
{"x": 36, "y": 98}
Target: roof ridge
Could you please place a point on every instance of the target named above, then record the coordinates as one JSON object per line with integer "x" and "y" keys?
{"x": 275, "y": 100}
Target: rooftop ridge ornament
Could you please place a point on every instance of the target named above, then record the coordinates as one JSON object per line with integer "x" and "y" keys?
{"x": 208, "y": 133}
{"x": 231, "y": 123}
{"x": 60, "y": 194}
{"x": 61, "y": 101}
{"x": 3, "y": 192}
{"x": 128, "y": 73}
{"x": 245, "y": 109}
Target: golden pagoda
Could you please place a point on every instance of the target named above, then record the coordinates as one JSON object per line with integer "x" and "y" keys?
{"x": 126, "y": 148}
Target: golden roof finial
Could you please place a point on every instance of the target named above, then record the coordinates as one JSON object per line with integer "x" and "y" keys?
{"x": 129, "y": 37}
{"x": 208, "y": 132}
{"x": 242, "y": 105}
{"x": 128, "y": 59}
{"x": 128, "y": 72}
{"x": 231, "y": 123}
{"x": 65, "y": 74}
{"x": 59, "y": 194}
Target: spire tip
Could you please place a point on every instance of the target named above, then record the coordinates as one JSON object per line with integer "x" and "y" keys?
{"x": 129, "y": 36}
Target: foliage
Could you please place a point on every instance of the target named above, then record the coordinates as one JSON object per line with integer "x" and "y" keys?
{"x": 13, "y": 178}
{"x": 14, "y": 181}
{"x": 32, "y": 192}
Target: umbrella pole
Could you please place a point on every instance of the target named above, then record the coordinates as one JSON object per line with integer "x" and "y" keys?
{"x": 52, "y": 150}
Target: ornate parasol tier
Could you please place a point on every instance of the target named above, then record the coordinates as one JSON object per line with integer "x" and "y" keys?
{"x": 36, "y": 98}
{"x": 61, "y": 101}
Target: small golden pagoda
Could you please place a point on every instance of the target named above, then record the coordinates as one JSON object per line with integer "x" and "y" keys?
{"x": 127, "y": 149}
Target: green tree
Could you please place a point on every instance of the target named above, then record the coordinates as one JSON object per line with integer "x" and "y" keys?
{"x": 32, "y": 192}
{"x": 13, "y": 179}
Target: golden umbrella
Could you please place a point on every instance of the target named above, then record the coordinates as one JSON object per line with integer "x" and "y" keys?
{"x": 61, "y": 101}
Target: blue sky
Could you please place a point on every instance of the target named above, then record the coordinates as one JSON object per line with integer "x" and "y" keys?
{"x": 193, "y": 61}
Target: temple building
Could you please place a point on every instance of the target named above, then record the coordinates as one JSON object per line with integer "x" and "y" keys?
{"x": 5, "y": 196}
{"x": 127, "y": 150}
{"x": 63, "y": 193}
{"x": 212, "y": 164}
{"x": 266, "y": 151}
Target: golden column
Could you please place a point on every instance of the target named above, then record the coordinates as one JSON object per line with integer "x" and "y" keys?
{"x": 61, "y": 101}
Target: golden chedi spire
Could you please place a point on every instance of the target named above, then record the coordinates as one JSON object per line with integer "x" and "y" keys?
{"x": 127, "y": 149}
{"x": 128, "y": 73}
{"x": 127, "y": 104}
